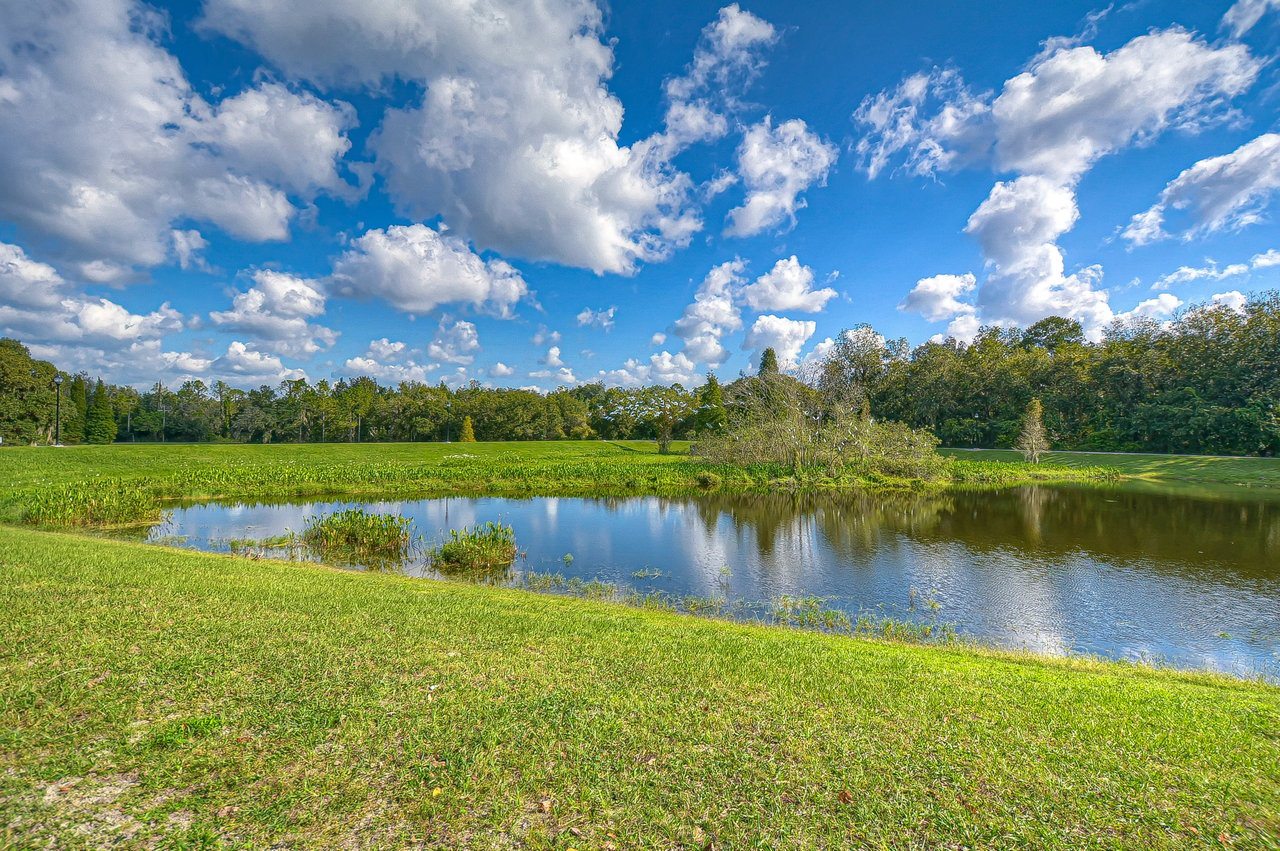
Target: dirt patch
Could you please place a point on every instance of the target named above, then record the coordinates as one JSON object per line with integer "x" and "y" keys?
{"x": 88, "y": 807}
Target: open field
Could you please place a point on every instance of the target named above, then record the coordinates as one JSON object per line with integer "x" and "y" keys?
{"x": 124, "y": 483}
{"x": 155, "y": 694}
{"x": 166, "y": 698}
{"x": 1247, "y": 472}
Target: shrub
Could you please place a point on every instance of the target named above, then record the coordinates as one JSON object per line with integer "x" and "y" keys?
{"x": 834, "y": 445}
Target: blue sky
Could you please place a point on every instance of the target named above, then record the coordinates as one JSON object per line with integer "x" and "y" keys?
{"x": 534, "y": 195}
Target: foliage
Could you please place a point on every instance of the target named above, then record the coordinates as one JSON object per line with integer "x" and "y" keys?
{"x": 468, "y": 431}
{"x": 1207, "y": 382}
{"x": 711, "y": 416}
{"x": 768, "y": 362}
{"x": 778, "y": 420}
{"x": 100, "y": 426}
{"x": 1033, "y": 442}
{"x": 26, "y": 395}
{"x": 356, "y": 531}
{"x": 475, "y": 549}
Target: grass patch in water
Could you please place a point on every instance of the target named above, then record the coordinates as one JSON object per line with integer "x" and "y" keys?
{"x": 356, "y": 532}
{"x": 477, "y": 549}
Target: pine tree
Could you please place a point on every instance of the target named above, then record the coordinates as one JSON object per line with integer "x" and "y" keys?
{"x": 769, "y": 362}
{"x": 75, "y": 409}
{"x": 468, "y": 431}
{"x": 712, "y": 416}
{"x": 1033, "y": 440}
{"x": 100, "y": 424}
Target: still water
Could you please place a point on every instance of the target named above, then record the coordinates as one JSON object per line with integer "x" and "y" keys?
{"x": 1185, "y": 579}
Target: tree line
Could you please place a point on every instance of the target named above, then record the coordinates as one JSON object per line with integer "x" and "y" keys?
{"x": 1207, "y": 382}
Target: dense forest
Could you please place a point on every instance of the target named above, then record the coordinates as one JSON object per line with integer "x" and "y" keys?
{"x": 1206, "y": 382}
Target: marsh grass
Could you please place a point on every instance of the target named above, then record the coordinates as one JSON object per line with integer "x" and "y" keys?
{"x": 475, "y": 549}
{"x": 130, "y": 484}
{"x": 358, "y": 533}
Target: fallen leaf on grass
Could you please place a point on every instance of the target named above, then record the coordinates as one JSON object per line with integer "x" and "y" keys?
{"x": 98, "y": 680}
{"x": 844, "y": 798}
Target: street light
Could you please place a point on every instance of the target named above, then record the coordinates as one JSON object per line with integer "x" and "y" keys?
{"x": 57, "y": 407}
{"x": 448, "y": 420}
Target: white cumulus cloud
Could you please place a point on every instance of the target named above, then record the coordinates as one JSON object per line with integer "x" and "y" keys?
{"x": 454, "y": 343}
{"x": 776, "y": 165}
{"x": 1048, "y": 125}
{"x": 1225, "y": 192}
{"x": 515, "y": 140}
{"x": 602, "y": 319}
{"x": 787, "y": 286}
{"x": 107, "y": 145}
{"x": 416, "y": 269}
{"x": 277, "y": 311}
{"x": 712, "y": 314}
{"x": 785, "y": 336}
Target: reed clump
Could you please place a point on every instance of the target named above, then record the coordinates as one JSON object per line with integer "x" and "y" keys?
{"x": 476, "y": 549}
{"x": 358, "y": 532}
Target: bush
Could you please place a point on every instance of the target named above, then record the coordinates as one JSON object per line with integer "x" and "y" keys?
{"x": 834, "y": 445}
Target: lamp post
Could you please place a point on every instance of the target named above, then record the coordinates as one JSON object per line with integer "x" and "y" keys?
{"x": 57, "y": 408}
{"x": 448, "y": 421}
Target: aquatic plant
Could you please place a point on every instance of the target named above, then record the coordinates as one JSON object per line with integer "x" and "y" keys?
{"x": 478, "y": 548}
{"x": 358, "y": 532}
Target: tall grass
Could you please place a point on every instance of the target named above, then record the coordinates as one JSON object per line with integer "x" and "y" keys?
{"x": 358, "y": 532}
{"x": 477, "y": 549}
{"x": 121, "y": 495}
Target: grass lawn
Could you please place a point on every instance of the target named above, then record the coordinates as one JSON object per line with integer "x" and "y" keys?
{"x": 26, "y": 466}
{"x": 1248, "y": 472}
{"x": 162, "y": 697}
{"x": 123, "y": 483}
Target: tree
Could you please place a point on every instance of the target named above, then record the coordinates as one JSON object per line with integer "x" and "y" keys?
{"x": 100, "y": 425}
{"x": 27, "y": 401}
{"x": 856, "y": 366}
{"x": 1034, "y": 440}
{"x": 76, "y": 412}
{"x": 711, "y": 417}
{"x": 468, "y": 431}
{"x": 768, "y": 362}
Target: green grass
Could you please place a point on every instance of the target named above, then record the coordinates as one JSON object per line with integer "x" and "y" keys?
{"x": 358, "y": 532}
{"x": 479, "y": 549}
{"x": 1248, "y": 472}
{"x": 161, "y": 697}
{"x": 123, "y": 484}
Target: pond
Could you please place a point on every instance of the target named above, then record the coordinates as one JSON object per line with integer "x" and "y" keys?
{"x": 1189, "y": 579}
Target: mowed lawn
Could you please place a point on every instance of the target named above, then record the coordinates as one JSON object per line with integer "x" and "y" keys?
{"x": 26, "y": 466}
{"x": 156, "y": 697}
{"x": 1248, "y": 472}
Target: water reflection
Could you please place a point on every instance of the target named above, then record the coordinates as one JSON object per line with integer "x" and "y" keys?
{"x": 1126, "y": 572}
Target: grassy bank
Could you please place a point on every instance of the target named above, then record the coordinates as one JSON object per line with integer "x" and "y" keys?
{"x": 150, "y": 694}
{"x": 124, "y": 483}
{"x": 1247, "y": 472}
